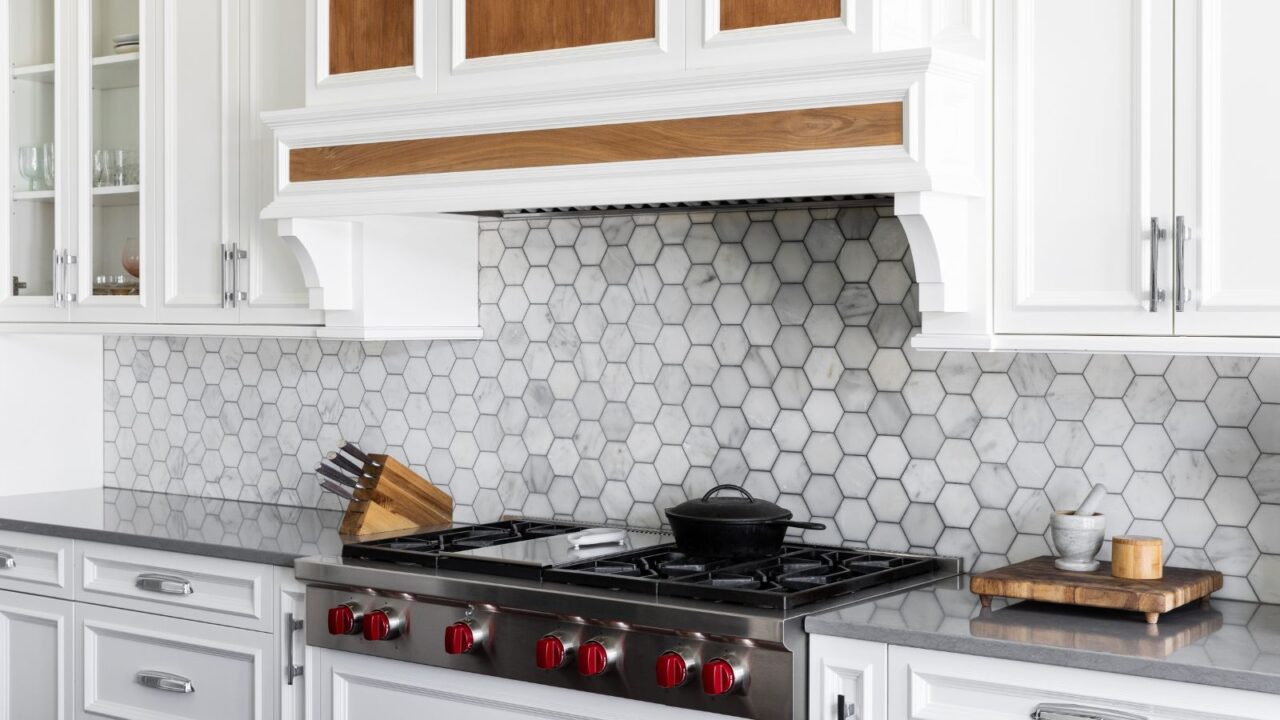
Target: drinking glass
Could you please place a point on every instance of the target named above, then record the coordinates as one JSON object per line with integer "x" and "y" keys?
{"x": 119, "y": 160}
{"x": 101, "y": 168}
{"x": 130, "y": 167}
{"x": 29, "y": 165}
{"x": 47, "y": 165}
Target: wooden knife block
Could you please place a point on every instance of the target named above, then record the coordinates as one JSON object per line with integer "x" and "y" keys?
{"x": 396, "y": 499}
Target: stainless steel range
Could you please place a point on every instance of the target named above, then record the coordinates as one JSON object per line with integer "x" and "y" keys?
{"x": 631, "y": 618}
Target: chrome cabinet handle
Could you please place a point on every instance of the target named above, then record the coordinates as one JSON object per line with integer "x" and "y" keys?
{"x": 225, "y": 254}
{"x": 1157, "y": 237}
{"x": 68, "y": 263}
{"x": 1181, "y": 235}
{"x": 57, "y": 279}
{"x": 237, "y": 295}
{"x": 845, "y": 710}
{"x": 7, "y": 562}
{"x": 1055, "y": 711}
{"x": 167, "y": 584}
{"x": 168, "y": 682}
{"x": 291, "y": 671}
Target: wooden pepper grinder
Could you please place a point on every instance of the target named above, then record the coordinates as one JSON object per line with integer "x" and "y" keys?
{"x": 1134, "y": 557}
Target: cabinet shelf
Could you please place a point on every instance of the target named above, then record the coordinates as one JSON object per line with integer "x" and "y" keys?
{"x": 115, "y": 71}
{"x": 34, "y": 195}
{"x": 35, "y": 73}
{"x": 115, "y": 195}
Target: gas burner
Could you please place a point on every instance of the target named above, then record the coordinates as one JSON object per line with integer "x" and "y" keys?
{"x": 798, "y": 575}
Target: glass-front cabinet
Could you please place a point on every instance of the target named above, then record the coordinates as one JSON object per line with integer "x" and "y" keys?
{"x": 77, "y": 237}
{"x": 34, "y": 135}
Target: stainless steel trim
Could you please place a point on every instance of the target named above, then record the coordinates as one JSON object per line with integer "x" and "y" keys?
{"x": 1058, "y": 711}
{"x": 1181, "y": 234}
{"x": 168, "y": 682}
{"x": 166, "y": 584}
{"x": 291, "y": 670}
{"x": 7, "y": 561}
{"x": 1157, "y": 237}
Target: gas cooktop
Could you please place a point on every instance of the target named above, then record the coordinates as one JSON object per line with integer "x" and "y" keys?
{"x": 647, "y": 562}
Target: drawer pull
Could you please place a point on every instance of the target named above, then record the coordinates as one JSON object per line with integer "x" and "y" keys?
{"x": 6, "y": 561}
{"x": 1054, "y": 711}
{"x": 164, "y": 681}
{"x": 167, "y": 584}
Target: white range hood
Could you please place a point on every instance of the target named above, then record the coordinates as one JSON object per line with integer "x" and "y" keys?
{"x": 390, "y": 257}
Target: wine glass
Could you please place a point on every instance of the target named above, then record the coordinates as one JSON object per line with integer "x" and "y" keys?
{"x": 29, "y": 165}
{"x": 101, "y": 168}
{"x": 47, "y": 165}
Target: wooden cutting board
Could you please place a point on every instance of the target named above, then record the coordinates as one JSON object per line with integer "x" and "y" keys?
{"x": 1038, "y": 579}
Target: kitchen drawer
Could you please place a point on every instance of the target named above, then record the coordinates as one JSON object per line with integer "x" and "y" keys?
{"x": 212, "y": 673}
{"x": 187, "y": 586}
{"x": 931, "y": 685}
{"x": 35, "y": 564}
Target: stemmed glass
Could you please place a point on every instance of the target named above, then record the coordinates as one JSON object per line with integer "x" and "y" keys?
{"x": 29, "y": 165}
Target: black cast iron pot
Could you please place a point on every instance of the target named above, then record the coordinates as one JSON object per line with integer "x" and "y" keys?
{"x": 732, "y": 527}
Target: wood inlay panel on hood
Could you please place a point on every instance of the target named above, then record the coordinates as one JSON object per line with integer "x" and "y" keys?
{"x": 505, "y": 27}
{"x": 739, "y": 14}
{"x": 849, "y": 126}
{"x": 370, "y": 35}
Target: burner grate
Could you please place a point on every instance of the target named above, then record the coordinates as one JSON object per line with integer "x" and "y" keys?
{"x": 798, "y": 575}
{"x": 423, "y": 549}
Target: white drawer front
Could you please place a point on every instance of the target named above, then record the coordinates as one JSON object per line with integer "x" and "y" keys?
{"x": 188, "y": 586}
{"x": 930, "y": 685}
{"x": 228, "y": 670}
{"x": 35, "y": 564}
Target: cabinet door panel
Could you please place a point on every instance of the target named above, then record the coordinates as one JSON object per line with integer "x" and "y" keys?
{"x": 1226, "y": 150}
{"x": 1083, "y": 127}
{"x": 201, "y": 126}
{"x": 35, "y": 657}
{"x": 848, "y": 674}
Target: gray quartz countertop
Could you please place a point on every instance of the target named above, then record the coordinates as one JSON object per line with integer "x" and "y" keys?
{"x": 1226, "y": 644}
{"x": 252, "y": 532}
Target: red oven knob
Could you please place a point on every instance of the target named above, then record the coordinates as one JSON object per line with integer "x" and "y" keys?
{"x": 459, "y": 638}
{"x": 673, "y": 669}
{"x": 594, "y": 658}
{"x": 345, "y": 619}
{"x": 552, "y": 652}
{"x": 719, "y": 677}
{"x": 382, "y": 624}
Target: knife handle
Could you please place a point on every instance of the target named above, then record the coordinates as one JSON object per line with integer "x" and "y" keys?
{"x": 344, "y": 464}
{"x": 355, "y": 452}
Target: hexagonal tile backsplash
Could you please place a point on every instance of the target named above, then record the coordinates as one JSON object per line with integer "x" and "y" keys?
{"x": 630, "y": 362}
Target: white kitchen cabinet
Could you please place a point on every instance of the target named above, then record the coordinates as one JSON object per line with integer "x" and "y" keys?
{"x": 1118, "y": 125}
{"x": 932, "y": 685}
{"x": 136, "y": 665}
{"x": 359, "y": 687}
{"x": 847, "y": 679}
{"x": 36, "y": 666}
{"x": 1226, "y": 149}
{"x": 1083, "y": 126}
{"x": 227, "y": 60}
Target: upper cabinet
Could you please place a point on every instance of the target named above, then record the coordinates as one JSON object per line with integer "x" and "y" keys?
{"x": 1132, "y": 174}
{"x": 137, "y": 164}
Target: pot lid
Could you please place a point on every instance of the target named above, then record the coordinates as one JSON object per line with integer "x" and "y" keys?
{"x": 744, "y": 508}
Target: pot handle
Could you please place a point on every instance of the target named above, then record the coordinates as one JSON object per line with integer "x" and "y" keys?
{"x": 718, "y": 488}
{"x": 803, "y": 525}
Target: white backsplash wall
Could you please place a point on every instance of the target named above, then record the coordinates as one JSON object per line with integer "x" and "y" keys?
{"x": 630, "y": 362}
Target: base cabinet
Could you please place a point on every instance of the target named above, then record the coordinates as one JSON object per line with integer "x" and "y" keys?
{"x": 35, "y": 657}
{"x": 899, "y": 683}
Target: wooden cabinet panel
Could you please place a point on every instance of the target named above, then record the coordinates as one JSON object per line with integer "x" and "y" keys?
{"x": 370, "y": 35}
{"x": 739, "y": 14}
{"x": 504, "y": 27}
{"x": 789, "y": 130}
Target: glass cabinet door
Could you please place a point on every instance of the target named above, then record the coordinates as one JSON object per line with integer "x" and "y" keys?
{"x": 112, "y": 249}
{"x": 31, "y": 281}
